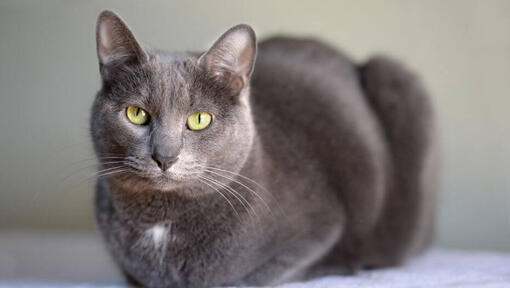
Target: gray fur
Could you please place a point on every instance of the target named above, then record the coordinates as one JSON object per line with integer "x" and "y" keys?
{"x": 344, "y": 158}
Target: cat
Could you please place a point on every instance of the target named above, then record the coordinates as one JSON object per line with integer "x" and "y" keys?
{"x": 258, "y": 164}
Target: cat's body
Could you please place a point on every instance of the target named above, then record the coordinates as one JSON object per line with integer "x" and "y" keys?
{"x": 340, "y": 159}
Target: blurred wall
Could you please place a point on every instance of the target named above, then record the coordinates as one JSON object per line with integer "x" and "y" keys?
{"x": 49, "y": 75}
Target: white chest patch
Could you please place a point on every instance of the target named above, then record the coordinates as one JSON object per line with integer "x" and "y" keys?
{"x": 159, "y": 234}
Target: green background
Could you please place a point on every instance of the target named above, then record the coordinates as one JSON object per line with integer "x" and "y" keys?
{"x": 49, "y": 75}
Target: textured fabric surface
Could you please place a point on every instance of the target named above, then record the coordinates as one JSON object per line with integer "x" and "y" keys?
{"x": 79, "y": 260}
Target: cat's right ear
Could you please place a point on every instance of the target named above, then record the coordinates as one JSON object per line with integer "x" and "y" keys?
{"x": 116, "y": 44}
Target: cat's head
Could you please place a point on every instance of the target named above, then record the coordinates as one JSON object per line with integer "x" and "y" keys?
{"x": 161, "y": 118}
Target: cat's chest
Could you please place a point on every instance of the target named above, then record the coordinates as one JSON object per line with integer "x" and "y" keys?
{"x": 163, "y": 239}
{"x": 155, "y": 247}
{"x": 158, "y": 236}
{"x": 167, "y": 243}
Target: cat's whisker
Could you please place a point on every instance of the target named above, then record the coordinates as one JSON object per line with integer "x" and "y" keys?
{"x": 77, "y": 170}
{"x": 89, "y": 162}
{"x": 112, "y": 172}
{"x": 82, "y": 160}
{"x": 234, "y": 193}
{"x": 239, "y": 194}
{"x": 263, "y": 189}
{"x": 106, "y": 170}
{"x": 254, "y": 215}
{"x": 111, "y": 157}
{"x": 239, "y": 175}
{"x": 77, "y": 182}
{"x": 112, "y": 162}
{"x": 229, "y": 190}
{"x": 222, "y": 195}
{"x": 239, "y": 182}
{"x": 102, "y": 155}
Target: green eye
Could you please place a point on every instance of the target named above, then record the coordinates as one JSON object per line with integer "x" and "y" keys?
{"x": 199, "y": 120}
{"x": 137, "y": 115}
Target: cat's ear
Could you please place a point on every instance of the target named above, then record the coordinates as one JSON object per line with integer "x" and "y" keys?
{"x": 232, "y": 57}
{"x": 116, "y": 43}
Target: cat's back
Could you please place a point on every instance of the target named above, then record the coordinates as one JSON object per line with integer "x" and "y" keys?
{"x": 306, "y": 79}
{"x": 309, "y": 63}
{"x": 305, "y": 89}
{"x": 292, "y": 53}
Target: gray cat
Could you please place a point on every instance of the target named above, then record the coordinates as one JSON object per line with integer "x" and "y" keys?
{"x": 248, "y": 165}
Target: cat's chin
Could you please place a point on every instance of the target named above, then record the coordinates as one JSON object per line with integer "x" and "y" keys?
{"x": 166, "y": 182}
{"x": 183, "y": 188}
{"x": 159, "y": 182}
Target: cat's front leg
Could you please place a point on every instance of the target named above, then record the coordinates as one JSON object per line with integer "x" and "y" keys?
{"x": 293, "y": 260}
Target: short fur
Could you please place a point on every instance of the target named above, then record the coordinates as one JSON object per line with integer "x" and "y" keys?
{"x": 331, "y": 166}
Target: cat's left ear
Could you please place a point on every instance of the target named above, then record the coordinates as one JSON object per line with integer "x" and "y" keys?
{"x": 232, "y": 57}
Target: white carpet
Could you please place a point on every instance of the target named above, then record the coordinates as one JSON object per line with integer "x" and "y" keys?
{"x": 437, "y": 268}
{"x": 79, "y": 260}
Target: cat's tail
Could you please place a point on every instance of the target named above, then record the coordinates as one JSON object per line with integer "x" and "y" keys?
{"x": 405, "y": 112}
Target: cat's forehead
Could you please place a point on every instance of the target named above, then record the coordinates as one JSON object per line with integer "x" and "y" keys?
{"x": 165, "y": 81}
{"x": 171, "y": 71}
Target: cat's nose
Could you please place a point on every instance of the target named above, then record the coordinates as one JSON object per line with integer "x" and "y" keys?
{"x": 164, "y": 162}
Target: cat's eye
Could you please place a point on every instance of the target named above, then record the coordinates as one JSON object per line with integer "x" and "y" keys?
{"x": 199, "y": 120}
{"x": 137, "y": 115}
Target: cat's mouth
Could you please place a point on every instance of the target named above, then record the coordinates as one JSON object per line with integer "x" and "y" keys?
{"x": 164, "y": 181}
{"x": 133, "y": 170}
{"x": 175, "y": 176}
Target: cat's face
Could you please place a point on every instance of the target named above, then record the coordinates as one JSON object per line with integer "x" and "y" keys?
{"x": 161, "y": 119}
